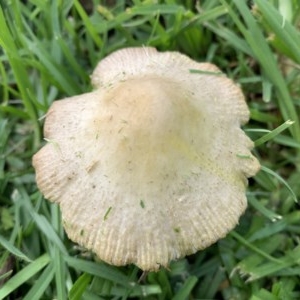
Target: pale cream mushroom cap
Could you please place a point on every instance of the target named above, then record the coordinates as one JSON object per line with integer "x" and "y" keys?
{"x": 152, "y": 165}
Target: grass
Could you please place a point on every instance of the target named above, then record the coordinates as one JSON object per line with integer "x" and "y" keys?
{"x": 49, "y": 48}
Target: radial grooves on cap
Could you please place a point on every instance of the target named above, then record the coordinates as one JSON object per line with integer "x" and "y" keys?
{"x": 118, "y": 248}
{"x": 160, "y": 256}
{"x": 67, "y": 118}
{"x": 218, "y": 223}
{"x": 121, "y": 65}
{"x": 132, "y": 62}
{"x": 226, "y": 99}
{"x": 215, "y": 223}
{"x": 45, "y": 163}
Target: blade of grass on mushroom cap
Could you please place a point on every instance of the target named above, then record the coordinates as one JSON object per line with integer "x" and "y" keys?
{"x": 261, "y": 51}
{"x": 194, "y": 71}
{"x": 25, "y": 274}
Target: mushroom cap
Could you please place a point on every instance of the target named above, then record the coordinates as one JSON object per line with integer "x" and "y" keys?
{"x": 152, "y": 165}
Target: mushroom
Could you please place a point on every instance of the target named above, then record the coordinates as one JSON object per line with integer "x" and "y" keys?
{"x": 152, "y": 165}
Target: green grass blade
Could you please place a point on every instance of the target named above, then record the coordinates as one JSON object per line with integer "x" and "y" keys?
{"x": 13, "y": 250}
{"x": 287, "y": 141}
{"x": 252, "y": 260}
{"x": 22, "y": 276}
{"x": 280, "y": 179}
{"x": 150, "y": 9}
{"x": 8, "y": 44}
{"x": 271, "y": 135}
{"x": 79, "y": 287}
{"x": 272, "y": 216}
{"x": 263, "y": 294}
{"x": 284, "y": 31}
{"x": 186, "y": 289}
{"x": 53, "y": 70}
{"x": 252, "y": 247}
{"x": 59, "y": 263}
{"x": 261, "y": 116}
{"x": 40, "y": 286}
{"x": 270, "y": 268}
{"x": 262, "y": 52}
{"x": 42, "y": 222}
{"x": 88, "y": 25}
{"x": 230, "y": 36}
{"x": 99, "y": 269}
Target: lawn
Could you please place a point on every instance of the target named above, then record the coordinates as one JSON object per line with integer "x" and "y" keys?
{"x": 48, "y": 49}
